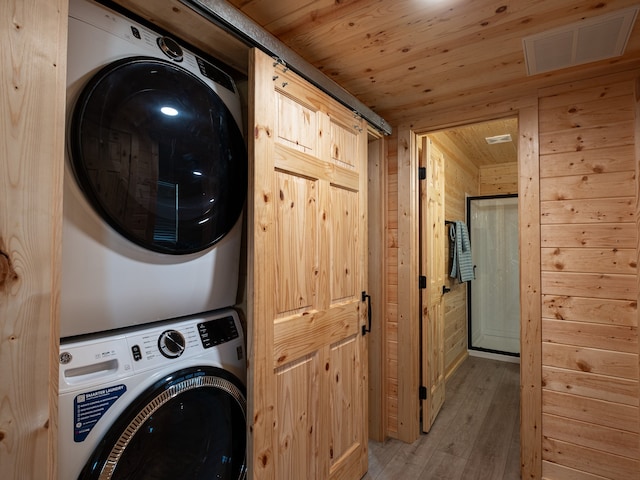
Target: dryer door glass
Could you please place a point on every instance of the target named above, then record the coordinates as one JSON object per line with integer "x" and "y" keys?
{"x": 159, "y": 155}
{"x": 190, "y": 426}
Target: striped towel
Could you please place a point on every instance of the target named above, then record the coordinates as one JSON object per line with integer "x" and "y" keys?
{"x": 462, "y": 265}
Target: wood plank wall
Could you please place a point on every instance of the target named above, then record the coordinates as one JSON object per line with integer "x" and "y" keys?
{"x": 461, "y": 180}
{"x": 32, "y": 73}
{"x": 391, "y": 282}
{"x": 589, "y": 241}
{"x": 499, "y": 179}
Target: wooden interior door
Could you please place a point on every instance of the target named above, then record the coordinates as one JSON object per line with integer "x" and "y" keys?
{"x": 432, "y": 259}
{"x": 307, "y": 359}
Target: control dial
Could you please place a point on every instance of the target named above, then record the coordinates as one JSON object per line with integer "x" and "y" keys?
{"x": 170, "y": 48}
{"x": 171, "y": 343}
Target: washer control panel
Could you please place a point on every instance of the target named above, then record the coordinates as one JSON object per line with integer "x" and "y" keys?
{"x": 161, "y": 344}
{"x": 93, "y": 361}
{"x": 137, "y": 34}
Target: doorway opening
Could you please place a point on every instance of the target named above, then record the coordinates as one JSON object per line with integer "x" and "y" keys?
{"x": 480, "y": 161}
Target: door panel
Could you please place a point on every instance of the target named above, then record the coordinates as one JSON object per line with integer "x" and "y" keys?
{"x": 296, "y": 240}
{"x": 346, "y": 428}
{"x": 296, "y": 125}
{"x": 344, "y": 245}
{"x": 297, "y": 415}
{"x": 432, "y": 244}
{"x": 344, "y": 144}
{"x": 306, "y": 253}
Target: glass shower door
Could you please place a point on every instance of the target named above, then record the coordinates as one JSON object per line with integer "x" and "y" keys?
{"x": 494, "y": 294}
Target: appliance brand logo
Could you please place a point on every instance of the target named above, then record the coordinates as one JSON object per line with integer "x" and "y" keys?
{"x": 65, "y": 358}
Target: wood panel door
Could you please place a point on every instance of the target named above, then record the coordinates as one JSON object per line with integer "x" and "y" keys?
{"x": 432, "y": 260}
{"x": 307, "y": 384}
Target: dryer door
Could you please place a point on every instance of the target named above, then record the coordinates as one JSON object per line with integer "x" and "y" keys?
{"x": 191, "y": 425}
{"x": 159, "y": 155}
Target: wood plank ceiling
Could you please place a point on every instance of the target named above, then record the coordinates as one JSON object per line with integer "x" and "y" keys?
{"x": 471, "y": 141}
{"x": 408, "y": 58}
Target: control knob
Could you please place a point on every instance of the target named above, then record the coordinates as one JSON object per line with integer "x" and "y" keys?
{"x": 170, "y": 48}
{"x": 171, "y": 343}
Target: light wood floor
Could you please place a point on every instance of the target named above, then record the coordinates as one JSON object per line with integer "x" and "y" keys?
{"x": 475, "y": 436}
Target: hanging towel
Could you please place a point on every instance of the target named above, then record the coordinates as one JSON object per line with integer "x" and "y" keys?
{"x": 462, "y": 264}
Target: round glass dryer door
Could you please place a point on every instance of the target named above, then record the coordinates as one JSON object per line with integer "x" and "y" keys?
{"x": 189, "y": 426}
{"x": 159, "y": 155}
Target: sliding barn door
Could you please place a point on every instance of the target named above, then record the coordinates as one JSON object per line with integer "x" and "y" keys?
{"x": 432, "y": 254}
{"x": 306, "y": 250}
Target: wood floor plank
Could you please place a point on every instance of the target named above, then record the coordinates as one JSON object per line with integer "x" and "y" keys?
{"x": 461, "y": 436}
{"x": 476, "y": 434}
{"x": 490, "y": 452}
{"x": 380, "y": 454}
{"x": 513, "y": 466}
{"x": 444, "y": 465}
{"x": 400, "y": 467}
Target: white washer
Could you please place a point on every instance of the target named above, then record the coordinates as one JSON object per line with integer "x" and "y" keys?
{"x": 155, "y": 177}
{"x": 162, "y": 402}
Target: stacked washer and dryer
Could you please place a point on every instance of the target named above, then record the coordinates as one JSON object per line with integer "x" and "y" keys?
{"x": 152, "y": 356}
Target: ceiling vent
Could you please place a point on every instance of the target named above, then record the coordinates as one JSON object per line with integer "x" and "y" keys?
{"x": 506, "y": 138}
{"x": 589, "y": 40}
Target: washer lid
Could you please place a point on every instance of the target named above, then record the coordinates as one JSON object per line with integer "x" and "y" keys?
{"x": 159, "y": 155}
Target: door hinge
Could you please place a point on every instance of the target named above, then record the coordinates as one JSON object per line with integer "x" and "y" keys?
{"x": 422, "y": 281}
{"x": 423, "y": 392}
{"x": 422, "y": 173}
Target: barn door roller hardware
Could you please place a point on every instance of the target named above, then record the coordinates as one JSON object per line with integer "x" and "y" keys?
{"x": 238, "y": 24}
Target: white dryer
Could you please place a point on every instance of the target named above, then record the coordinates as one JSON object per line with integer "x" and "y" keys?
{"x": 155, "y": 177}
{"x": 163, "y": 402}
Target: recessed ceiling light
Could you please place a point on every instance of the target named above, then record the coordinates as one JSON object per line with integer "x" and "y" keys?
{"x": 499, "y": 139}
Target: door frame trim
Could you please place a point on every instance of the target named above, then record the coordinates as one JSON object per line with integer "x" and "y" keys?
{"x": 377, "y": 201}
{"x": 408, "y": 296}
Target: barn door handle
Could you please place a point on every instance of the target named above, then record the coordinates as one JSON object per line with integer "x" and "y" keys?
{"x": 367, "y": 297}
{"x": 445, "y": 289}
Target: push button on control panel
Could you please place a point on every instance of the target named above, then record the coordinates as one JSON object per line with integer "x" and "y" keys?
{"x": 137, "y": 354}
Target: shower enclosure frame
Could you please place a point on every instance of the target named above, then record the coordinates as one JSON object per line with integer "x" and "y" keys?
{"x": 470, "y": 345}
